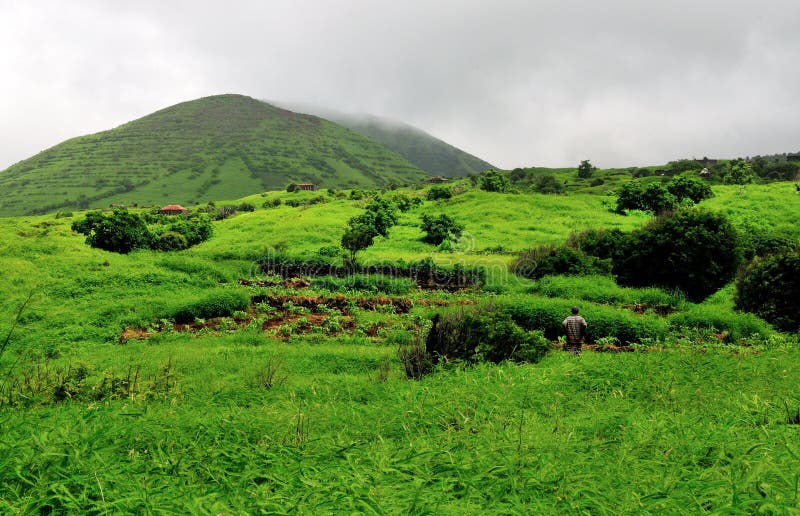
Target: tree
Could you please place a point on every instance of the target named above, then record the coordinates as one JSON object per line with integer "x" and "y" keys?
{"x": 357, "y": 237}
{"x": 653, "y": 197}
{"x": 547, "y": 184}
{"x": 438, "y": 229}
{"x": 380, "y": 215}
{"x": 770, "y": 288}
{"x": 689, "y": 187}
{"x": 740, "y": 173}
{"x": 494, "y": 181}
{"x": 440, "y": 192}
{"x": 692, "y": 250}
{"x": 120, "y": 232}
{"x": 586, "y": 169}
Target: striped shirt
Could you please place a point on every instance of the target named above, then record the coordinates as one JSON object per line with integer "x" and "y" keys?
{"x": 575, "y": 326}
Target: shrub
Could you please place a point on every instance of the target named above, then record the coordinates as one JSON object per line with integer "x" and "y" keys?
{"x": 692, "y": 250}
{"x": 225, "y": 212}
{"x": 586, "y": 169}
{"x": 739, "y": 173}
{"x": 482, "y": 334}
{"x": 375, "y": 283}
{"x": 120, "y": 232}
{"x": 438, "y": 229}
{"x": 218, "y": 303}
{"x": 689, "y": 187}
{"x": 246, "y": 206}
{"x": 440, "y": 192}
{"x": 274, "y": 203}
{"x": 548, "y": 259}
{"x": 733, "y": 325}
{"x": 770, "y": 288}
{"x": 602, "y": 243}
{"x": 405, "y": 203}
{"x": 170, "y": 241}
{"x": 547, "y": 184}
{"x": 547, "y": 315}
{"x": 494, "y": 181}
{"x": 653, "y": 197}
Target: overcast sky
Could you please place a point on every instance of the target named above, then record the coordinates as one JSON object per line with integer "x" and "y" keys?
{"x": 517, "y": 83}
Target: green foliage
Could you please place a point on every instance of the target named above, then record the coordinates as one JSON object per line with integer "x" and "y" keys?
{"x": 586, "y": 169}
{"x": 373, "y": 283}
{"x": 603, "y": 290}
{"x": 170, "y": 241}
{"x": 223, "y": 147}
{"x": 739, "y": 172}
{"x": 494, "y": 181}
{"x": 441, "y": 228}
{"x": 770, "y": 287}
{"x": 380, "y": 215}
{"x": 602, "y": 243}
{"x": 120, "y": 232}
{"x": 405, "y": 202}
{"x": 547, "y": 260}
{"x": 684, "y": 165}
{"x": 437, "y": 193}
{"x": 548, "y": 184}
{"x": 547, "y": 315}
{"x": 292, "y": 187}
{"x": 273, "y": 203}
{"x": 220, "y": 302}
{"x": 482, "y": 334}
{"x": 432, "y": 155}
{"x": 731, "y": 326}
{"x": 692, "y": 250}
{"x": 652, "y": 197}
{"x": 689, "y": 187}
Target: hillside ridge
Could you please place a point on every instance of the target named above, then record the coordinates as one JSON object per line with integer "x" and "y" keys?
{"x": 221, "y": 146}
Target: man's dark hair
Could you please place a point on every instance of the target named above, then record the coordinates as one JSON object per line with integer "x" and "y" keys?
{"x": 574, "y": 310}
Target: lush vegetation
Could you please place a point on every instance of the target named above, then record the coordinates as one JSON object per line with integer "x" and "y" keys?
{"x": 431, "y": 154}
{"x": 219, "y": 147}
{"x": 197, "y": 382}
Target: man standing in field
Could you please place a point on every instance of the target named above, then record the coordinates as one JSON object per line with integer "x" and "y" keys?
{"x": 575, "y": 326}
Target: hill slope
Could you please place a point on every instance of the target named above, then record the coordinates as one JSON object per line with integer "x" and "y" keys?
{"x": 223, "y": 146}
{"x": 420, "y": 148}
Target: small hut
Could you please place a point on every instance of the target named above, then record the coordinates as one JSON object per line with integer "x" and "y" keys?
{"x": 306, "y": 186}
{"x": 173, "y": 209}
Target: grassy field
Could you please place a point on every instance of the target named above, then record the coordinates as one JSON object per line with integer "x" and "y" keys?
{"x": 109, "y": 406}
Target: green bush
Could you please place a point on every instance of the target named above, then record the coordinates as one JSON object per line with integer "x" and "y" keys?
{"x": 494, "y": 181}
{"x": 482, "y": 333}
{"x": 120, "y": 232}
{"x": 374, "y": 283}
{"x": 548, "y": 260}
{"x": 652, "y": 197}
{"x": 734, "y": 325}
{"x": 218, "y": 303}
{"x": 547, "y": 315}
{"x": 601, "y": 243}
{"x": 693, "y": 250}
{"x": 438, "y": 229}
{"x": 689, "y": 187}
{"x": 170, "y": 241}
{"x": 440, "y": 193}
{"x": 770, "y": 288}
{"x": 603, "y": 290}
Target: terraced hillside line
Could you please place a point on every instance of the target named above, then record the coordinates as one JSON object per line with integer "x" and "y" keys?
{"x": 225, "y": 146}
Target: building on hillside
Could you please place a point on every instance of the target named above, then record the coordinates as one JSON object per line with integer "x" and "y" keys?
{"x": 793, "y": 157}
{"x": 306, "y": 186}
{"x": 173, "y": 209}
{"x": 437, "y": 180}
{"x": 707, "y": 162}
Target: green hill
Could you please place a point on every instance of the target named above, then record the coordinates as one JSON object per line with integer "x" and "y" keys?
{"x": 216, "y": 147}
{"x": 429, "y": 153}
